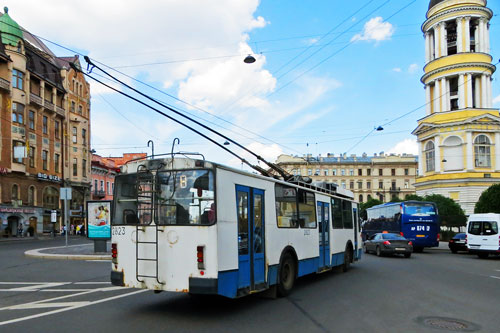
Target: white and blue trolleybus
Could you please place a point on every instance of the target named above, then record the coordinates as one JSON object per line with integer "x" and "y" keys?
{"x": 193, "y": 226}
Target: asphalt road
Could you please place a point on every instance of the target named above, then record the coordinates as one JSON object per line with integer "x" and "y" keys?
{"x": 387, "y": 294}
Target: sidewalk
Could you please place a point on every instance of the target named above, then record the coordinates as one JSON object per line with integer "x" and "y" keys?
{"x": 70, "y": 252}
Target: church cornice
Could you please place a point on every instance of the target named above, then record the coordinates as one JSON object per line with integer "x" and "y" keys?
{"x": 468, "y": 124}
{"x": 438, "y": 18}
{"x": 484, "y": 65}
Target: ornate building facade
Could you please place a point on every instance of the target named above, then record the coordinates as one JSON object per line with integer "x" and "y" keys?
{"x": 35, "y": 147}
{"x": 381, "y": 176}
{"x": 459, "y": 137}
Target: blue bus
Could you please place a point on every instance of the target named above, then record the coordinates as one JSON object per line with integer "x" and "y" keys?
{"x": 417, "y": 221}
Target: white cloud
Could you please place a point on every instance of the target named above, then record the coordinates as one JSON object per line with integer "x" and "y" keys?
{"x": 412, "y": 68}
{"x": 397, "y": 70}
{"x": 375, "y": 30}
{"x": 496, "y": 100}
{"x": 408, "y": 146}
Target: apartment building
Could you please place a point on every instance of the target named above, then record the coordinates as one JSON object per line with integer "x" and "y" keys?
{"x": 381, "y": 176}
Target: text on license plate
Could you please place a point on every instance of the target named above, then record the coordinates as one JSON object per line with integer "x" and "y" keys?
{"x": 400, "y": 249}
{"x": 420, "y": 236}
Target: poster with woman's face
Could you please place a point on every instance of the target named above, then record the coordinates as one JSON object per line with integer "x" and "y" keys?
{"x": 99, "y": 219}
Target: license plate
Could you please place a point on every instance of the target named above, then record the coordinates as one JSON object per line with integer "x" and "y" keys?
{"x": 420, "y": 236}
{"x": 460, "y": 242}
{"x": 400, "y": 249}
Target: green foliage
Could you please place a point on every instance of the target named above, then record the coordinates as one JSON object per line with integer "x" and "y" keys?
{"x": 450, "y": 212}
{"x": 489, "y": 201}
{"x": 396, "y": 199}
{"x": 414, "y": 197}
{"x": 365, "y": 205}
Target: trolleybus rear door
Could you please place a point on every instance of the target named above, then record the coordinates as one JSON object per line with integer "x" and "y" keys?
{"x": 251, "y": 262}
{"x": 324, "y": 234}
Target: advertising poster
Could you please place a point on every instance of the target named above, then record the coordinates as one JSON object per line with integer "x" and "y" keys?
{"x": 99, "y": 219}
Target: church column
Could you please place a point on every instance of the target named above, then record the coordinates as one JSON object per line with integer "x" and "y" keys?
{"x": 489, "y": 92}
{"x": 467, "y": 34}
{"x": 428, "y": 99}
{"x": 427, "y": 48}
{"x": 482, "y": 33}
{"x": 437, "y": 33}
{"x": 497, "y": 152}
{"x": 460, "y": 42}
{"x": 469, "y": 155}
{"x": 487, "y": 37}
{"x": 461, "y": 91}
{"x": 421, "y": 163}
{"x": 477, "y": 93}
{"x": 469, "y": 91}
{"x": 444, "y": 40}
{"x": 447, "y": 95}
{"x": 437, "y": 154}
{"x": 484, "y": 95}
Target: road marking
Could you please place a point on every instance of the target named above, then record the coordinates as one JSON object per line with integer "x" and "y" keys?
{"x": 495, "y": 277}
{"x": 108, "y": 260}
{"x": 47, "y": 305}
{"x": 36, "y": 287}
{"x": 63, "y": 290}
{"x": 92, "y": 282}
{"x": 69, "y": 308}
{"x": 31, "y": 282}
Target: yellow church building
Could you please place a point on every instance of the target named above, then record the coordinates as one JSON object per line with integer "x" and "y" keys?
{"x": 459, "y": 138}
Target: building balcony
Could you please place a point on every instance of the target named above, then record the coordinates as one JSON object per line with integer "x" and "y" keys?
{"x": 49, "y": 105}
{"x": 36, "y": 100}
{"x": 4, "y": 84}
{"x": 60, "y": 111}
{"x": 394, "y": 189}
{"x": 99, "y": 194}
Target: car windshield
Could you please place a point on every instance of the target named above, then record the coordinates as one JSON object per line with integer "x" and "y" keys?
{"x": 459, "y": 236}
{"x": 393, "y": 236}
{"x": 419, "y": 209}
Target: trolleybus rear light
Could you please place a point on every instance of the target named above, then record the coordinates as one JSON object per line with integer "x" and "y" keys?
{"x": 114, "y": 253}
{"x": 200, "y": 257}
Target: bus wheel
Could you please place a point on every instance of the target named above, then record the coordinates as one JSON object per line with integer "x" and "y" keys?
{"x": 286, "y": 275}
{"x": 347, "y": 259}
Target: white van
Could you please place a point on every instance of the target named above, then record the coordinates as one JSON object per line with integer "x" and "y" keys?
{"x": 483, "y": 238}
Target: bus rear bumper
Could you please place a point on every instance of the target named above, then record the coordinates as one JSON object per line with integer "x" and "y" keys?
{"x": 203, "y": 285}
{"x": 117, "y": 279}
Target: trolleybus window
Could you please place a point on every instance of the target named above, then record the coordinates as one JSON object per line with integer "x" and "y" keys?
{"x": 307, "y": 210}
{"x": 186, "y": 197}
{"x": 337, "y": 213}
{"x": 286, "y": 206}
{"x": 347, "y": 214}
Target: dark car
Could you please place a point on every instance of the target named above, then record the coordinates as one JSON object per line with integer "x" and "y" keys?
{"x": 388, "y": 243}
{"x": 457, "y": 243}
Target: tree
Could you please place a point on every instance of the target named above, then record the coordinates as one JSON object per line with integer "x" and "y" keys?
{"x": 414, "y": 197}
{"x": 450, "y": 212}
{"x": 396, "y": 199}
{"x": 489, "y": 201}
{"x": 365, "y": 205}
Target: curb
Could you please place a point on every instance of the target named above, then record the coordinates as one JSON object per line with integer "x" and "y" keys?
{"x": 37, "y": 254}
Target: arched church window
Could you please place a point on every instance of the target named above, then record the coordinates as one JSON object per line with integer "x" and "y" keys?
{"x": 482, "y": 156}
{"x": 430, "y": 156}
{"x": 453, "y": 154}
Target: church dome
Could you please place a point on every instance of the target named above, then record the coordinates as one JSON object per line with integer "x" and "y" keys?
{"x": 436, "y": 2}
{"x": 11, "y": 32}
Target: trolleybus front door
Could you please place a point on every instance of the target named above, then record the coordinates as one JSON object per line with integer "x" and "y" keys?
{"x": 251, "y": 263}
{"x": 324, "y": 234}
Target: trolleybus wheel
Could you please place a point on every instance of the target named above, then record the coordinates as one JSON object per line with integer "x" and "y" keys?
{"x": 347, "y": 259}
{"x": 286, "y": 274}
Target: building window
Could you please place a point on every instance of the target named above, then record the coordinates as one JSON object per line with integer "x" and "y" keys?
{"x": 351, "y": 172}
{"x": 80, "y": 109}
{"x": 393, "y": 172}
{"x": 84, "y": 136}
{"x": 393, "y": 185}
{"x": 482, "y": 156}
{"x": 75, "y": 131}
{"x": 407, "y": 172}
{"x": 56, "y": 162}
{"x": 360, "y": 172}
{"x": 381, "y": 197}
{"x": 112, "y": 188}
{"x": 343, "y": 184}
{"x": 17, "y": 79}
{"x": 317, "y": 173}
{"x": 32, "y": 120}
{"x": 407, "y": 183}
{"x": 15, "y": 192}
{"x": 72, "y": 108}
{"x": 360, "y": 185}
{"x": 75, "y": 167}
{"x": 57, "y": 129}
{"x": 84, "y": 168}
{"x": 95, "y": 185}
{"x": 368, "y": 172}
{"x": 351, "y": 185}
{"x": 45, "y": 155}
{"x": 309, "y": 172}
{"x": 342, "y": 172}
{"x": 325, "y": 172}
{"x": 361, "y": 198}
{"x": 108, "y": 188}
{"x": 334, "y": 172}
{"x": 18, "y": 152}
{"x": 102, "y": 185}
{"x": 45, "y": 122}
{"x": 50, "y": 197}
{"x": 381, "y": 185}
{"x": 380, "y": 172}
{"x": 17, "y": 113}
{"x": 31, "y": 154}
{"x": 31, "y": 195}
{"x": 429, "y": 156}
{"x": 368, "y": 184}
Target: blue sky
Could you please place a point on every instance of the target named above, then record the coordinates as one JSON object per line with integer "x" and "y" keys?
{"x": 312, "y": 89}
